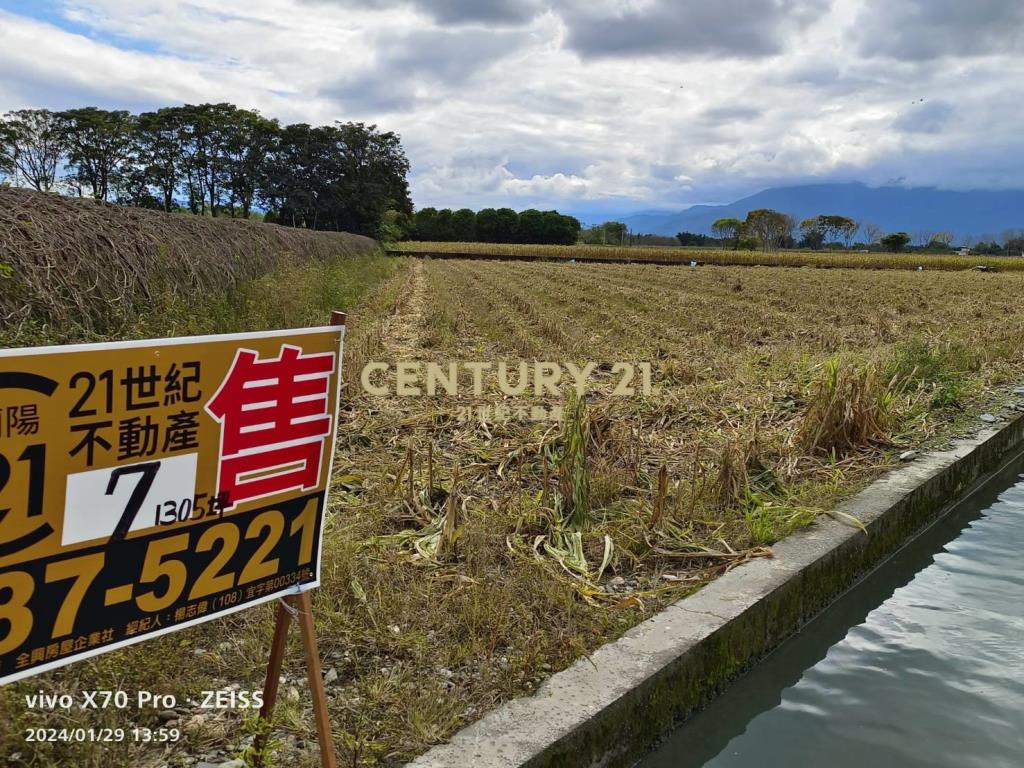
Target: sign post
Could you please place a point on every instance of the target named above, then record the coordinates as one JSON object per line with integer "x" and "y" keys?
{"x": 148, "y": 486}
{"x": 301, "y": 606}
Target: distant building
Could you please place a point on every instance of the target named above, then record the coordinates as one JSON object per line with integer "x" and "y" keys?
{"x": 965, "y": 251}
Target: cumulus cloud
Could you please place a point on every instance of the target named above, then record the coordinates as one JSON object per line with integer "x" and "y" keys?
{"x": 410, "y": 66}
{"x": 590, "y": 106}
{"x": 921, "y": 30}
{"x": 686, "y": 28}
{"x": 456, "y": 12}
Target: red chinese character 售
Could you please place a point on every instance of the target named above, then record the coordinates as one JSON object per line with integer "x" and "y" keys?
{"x": 274, "y": 416}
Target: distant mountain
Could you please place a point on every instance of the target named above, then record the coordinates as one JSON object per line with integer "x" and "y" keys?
{"x": 975, "y": 213}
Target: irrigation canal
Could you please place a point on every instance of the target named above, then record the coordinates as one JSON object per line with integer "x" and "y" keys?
{"x": 919, "y": 666}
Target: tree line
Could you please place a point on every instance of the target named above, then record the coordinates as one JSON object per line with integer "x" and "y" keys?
{"x": 492, "y": 225}
{"x": 215, "y": 160}
{"x": 770, "y": 230}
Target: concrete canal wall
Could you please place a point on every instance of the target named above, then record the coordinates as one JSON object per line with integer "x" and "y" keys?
{"x": 608, "y": 710}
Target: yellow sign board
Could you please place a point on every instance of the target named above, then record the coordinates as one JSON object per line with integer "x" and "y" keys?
{"x": 147, "y": 486}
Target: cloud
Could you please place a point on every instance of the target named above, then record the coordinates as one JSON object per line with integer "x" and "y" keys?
{"x": 408, "y": 67}
{"x": 590, "y": 106}
{"x": 925, "y": 118}
{"x": 730, "y": 113}
{"x": 686, "y": 28}
{"x": 457, "y": 12}
{"x": 923, "y": 30}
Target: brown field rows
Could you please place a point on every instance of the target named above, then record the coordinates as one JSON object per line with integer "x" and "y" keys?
{"x": 468, "y": 560}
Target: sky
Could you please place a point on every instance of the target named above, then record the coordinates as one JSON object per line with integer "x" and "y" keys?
{"x": 593, "y": 107}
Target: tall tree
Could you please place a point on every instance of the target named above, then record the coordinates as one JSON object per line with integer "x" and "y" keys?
{"x": 31, "y": 146}
{"x": 728, "y": 229}
{"x": 464, "y": 225}
{"x": 445, "y": 225}
{"x": 770, "y": 228}
{"x": 248, "y": 137}
{"x": 614, "y": 232}
{"x": 99, "y": 145}
{"x": 205, "y": 133}
{"x": 371, "y": 177}
{"x": 7, "y": 166}
{"x": 896, "y": 242}
{"x": 295, "y": 178}
{"x": 837, "y": 228}
{"x": 159, "y": 138}
{"x": 558, "y": 229}
{"x": 507, "y": 225}
{"x": 425, "y": 224}
{"x": 813, "y": 237}
{"x": 872, "y": 233}
{"x": 487, "y": 226}
{"x": 531, "y": 227}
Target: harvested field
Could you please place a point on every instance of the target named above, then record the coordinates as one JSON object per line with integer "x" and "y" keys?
{"x": 668, "y": 255}
{"x": 468, "y": 559}
{"x": 70, "y": 268}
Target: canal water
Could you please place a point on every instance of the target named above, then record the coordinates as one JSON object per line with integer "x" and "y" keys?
{"x": 920, "y": 666}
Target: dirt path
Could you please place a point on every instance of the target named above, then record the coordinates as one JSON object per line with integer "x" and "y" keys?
{"x": 403, "y": 331}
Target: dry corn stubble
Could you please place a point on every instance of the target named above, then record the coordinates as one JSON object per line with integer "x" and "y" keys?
{"x": 424, "y": 644}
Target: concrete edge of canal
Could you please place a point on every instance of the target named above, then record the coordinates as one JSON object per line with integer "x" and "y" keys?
{"x": 609, "y": 710}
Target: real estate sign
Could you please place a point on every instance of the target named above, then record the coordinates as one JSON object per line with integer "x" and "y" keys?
{"x": 147, "y": 486}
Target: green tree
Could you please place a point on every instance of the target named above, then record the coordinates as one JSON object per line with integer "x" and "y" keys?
{"x": 7, "y": 166}
{"x": 445, "y": 226}
{"x": 340, "y": 177}
{"x": 295, "y": 176}
{"x": 769, "y": 228}
{"x": 728, "y": 229}
{"x": 487, "y": 226}
{"x": 464, "y": 225}
{"x": 686, "y": 238}
{"x": 837, "y": 228}
{"x": 247, "y": 139}
{"x": 810, "y": 230}
{"x": 559, "y": 229}
{"x": 896, "y": 242}
{"x": 614, "y": 232}
{"x": 205, "y": 133}
{"x": 370, "y": 176}
{"x": 158, "y": 137}
{"x": 424, "y": 224}
{"x": 394, "y": 226}
{"x": 100, "y": 144}
{"x": 531, "y": 227}
{"x": 31, "y": 147}
{"x": 507, "y": 225}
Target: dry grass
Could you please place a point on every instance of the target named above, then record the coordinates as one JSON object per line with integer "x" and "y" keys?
{"x": 847, "y": 410}
{"x": 465, "y": 562}
{"x": 72, "y": 267}
{"x": 670, "y": 255}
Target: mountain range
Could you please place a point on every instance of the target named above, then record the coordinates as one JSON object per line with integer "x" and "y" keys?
{"x": 974, "y": 214}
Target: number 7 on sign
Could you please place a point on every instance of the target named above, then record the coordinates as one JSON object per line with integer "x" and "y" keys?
{"x": 131, "y": 509}
{"x": 102, "y": 505}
